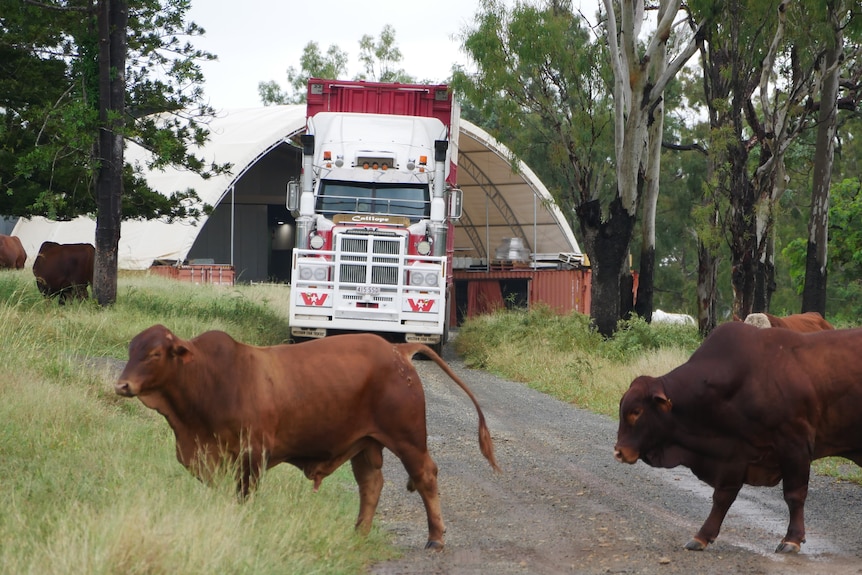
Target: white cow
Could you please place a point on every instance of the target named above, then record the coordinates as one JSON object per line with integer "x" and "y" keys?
{"x": 659, "y": 316}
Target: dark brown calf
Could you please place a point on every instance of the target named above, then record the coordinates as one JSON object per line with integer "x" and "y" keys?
{"x": 64, "y": 270}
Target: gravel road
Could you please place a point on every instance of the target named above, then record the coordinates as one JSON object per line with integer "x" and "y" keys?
{"x": 562, "y": 504}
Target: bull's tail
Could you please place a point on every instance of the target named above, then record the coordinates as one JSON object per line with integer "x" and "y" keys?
{"x": 486, "y": 444}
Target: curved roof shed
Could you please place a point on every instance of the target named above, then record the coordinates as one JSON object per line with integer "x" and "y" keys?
{"x": 250, "y": 225}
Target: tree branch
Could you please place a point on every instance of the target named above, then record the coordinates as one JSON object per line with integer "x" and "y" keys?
{"x": 59, "y": 8}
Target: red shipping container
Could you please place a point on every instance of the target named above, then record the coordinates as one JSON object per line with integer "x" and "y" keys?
{"x": 433, "y": 101}
{"x": 199, "y": 274}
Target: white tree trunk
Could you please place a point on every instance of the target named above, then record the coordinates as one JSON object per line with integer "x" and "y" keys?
{"x": 636, "y": 90}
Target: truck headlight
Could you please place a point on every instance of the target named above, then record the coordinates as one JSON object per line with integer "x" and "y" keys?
{"x": 317, "y": 272}
{"x": 417, "y": 278}
{"x": 431, "y": 279}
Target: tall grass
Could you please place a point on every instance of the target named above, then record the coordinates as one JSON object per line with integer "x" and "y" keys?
{"x": 90, "y": 482}
{"x": 563, "y": 357}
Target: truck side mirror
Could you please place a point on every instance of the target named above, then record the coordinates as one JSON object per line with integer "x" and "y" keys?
{"x": 293, "y": 195}
{"x": 456, "y": 197}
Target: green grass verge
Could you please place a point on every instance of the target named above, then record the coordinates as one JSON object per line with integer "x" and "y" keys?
{"x": 91, "y": 481}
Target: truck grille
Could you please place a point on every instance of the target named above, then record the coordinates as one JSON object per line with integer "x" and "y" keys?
{"x": 370, "y": 259}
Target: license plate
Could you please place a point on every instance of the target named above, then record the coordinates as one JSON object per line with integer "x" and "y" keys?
{"x": 368, "y": 290}
{"x": 308, "y": 332}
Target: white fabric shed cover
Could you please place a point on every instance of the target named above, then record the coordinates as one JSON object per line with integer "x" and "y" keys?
{"x": 498, "y": 202}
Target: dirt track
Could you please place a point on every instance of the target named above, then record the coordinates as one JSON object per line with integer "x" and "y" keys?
{"x": 564, "y": 505}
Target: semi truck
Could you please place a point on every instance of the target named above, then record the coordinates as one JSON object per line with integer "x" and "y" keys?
{"x": 374, "y": 208}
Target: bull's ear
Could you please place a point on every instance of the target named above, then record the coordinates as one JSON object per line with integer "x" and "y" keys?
{"x": 662, "y": 401}
{"x": 178, "y": 348}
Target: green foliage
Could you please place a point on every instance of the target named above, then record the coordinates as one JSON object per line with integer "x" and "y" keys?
{"x": 795, "y": 253}
{"x": 541, "y": 88}
{"x": 480, "y": 336}
{"x": 50, "y": 126}
{"x": 260, "y": 324}
{"x": 635, "y": 337}
{"x": 844, "y": 280}
{"x": 379, "y": 58}
{"x": 312, "y": 64}
{"x": 92, "y": 484}
{"x": 845, "y": 227}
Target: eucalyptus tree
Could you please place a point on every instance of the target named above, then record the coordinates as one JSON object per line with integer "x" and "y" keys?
{"x": 540, "y": 74}
{"x": 677, "y": 217}
{"x": 844, "y": 289}
{"x": 381, "y": 57}
{"x": 761, "y": 79}
{"x": 733, "y": 47}
{"x": 102, "y": 72}
{"x": 312, "y": 64}
{"x": 378, "y": 56}
{"x": 541, "y": 88}
{"x": 839, "y": 67}
{"x": 642, "y": 66}
{"x": 799, "y": 92}
{"x": 641, "y": 73}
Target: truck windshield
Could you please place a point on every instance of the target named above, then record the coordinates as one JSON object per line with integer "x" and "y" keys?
{"x": 338, "y": 197}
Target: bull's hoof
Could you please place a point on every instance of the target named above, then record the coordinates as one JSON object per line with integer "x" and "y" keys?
{"x": 434, "y": 545}
{"x": 788, "y": 547}
{"x": 695, "y": 545}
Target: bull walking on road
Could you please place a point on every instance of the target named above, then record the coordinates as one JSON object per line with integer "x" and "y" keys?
{"x": 751, "y": 406}
{"x": 314, "y": 405}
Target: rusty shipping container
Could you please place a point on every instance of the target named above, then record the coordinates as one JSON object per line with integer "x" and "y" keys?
{"x": 478, "y": 292}
{"x": 216, "y": 274}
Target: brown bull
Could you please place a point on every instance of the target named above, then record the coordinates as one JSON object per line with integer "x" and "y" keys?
{"x": 314, "y": 405}
{"x": 12, "y": 253}
{"x": 801, "y": 322}
{"x": 751, "y": 406}
{"x": 64, "y": 270}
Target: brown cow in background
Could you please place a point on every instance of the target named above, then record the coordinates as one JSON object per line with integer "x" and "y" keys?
{"x": 802, "y": 322}
{"x": 314, "y": 405}
{"x": 12, "y": 254}
{"x": 64, "y": 270}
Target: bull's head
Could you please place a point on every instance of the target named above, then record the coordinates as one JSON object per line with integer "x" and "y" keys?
{"x": 153, "y": 356}
{"x": 644, "y": 411}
